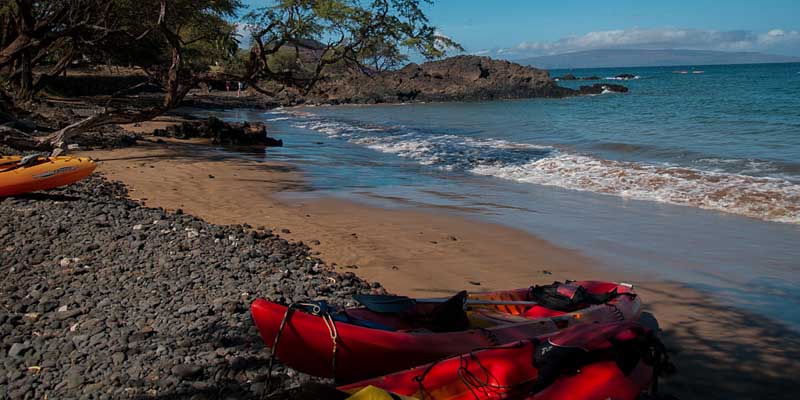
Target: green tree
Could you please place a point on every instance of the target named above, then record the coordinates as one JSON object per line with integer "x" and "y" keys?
{"x": 365, "y": 35}
{"x": 177, "y": 42}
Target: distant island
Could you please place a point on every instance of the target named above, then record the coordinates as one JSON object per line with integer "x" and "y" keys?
{"x": 650, "y": 58}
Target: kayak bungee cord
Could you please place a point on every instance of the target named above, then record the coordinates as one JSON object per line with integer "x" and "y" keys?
{"x": 475, "y": 384}
{"x": 478, "y": 384}
{"x": 314, "y": 309}
{"x": 331, "y": 325}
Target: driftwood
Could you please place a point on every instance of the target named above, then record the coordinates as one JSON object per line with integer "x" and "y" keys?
{"x": 20, "y": 140}
{"x": 55, "y": 142}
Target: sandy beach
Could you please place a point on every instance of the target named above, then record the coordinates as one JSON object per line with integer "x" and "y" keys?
{"x": 719, "y": 352}
{"x": 190, "y": 190}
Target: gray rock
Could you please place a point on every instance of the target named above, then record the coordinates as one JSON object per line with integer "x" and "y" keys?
{"x": 186, "y": 371}
{"x": 118, "y": 358}
{"x": 187, "y": 309}
{"x": 17, "y": 349}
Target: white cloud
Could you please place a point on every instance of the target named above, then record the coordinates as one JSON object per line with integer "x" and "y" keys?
{"x": 779, "y": 40}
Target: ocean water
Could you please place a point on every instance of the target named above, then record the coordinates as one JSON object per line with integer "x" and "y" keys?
{"x": 692, "y": 177}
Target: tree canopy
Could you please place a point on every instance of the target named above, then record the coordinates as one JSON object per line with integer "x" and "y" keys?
{"x": 179, "y": 44}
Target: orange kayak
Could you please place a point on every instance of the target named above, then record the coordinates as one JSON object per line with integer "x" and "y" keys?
{"x": 18, "y": 177}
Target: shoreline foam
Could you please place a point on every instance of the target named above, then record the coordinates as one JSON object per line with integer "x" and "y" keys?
{"x": 768, "y": 198}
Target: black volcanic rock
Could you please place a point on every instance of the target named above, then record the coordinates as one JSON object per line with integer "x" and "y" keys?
{"x": 570, "y": 77}
{"x": 626, "y": 76}
{"x": 221, "y": 133}
{"x": 599, "y": 88}
{"x": 149, "y": 304}
{"x": 462, "y": 78}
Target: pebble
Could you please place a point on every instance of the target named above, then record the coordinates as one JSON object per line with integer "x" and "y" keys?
{"x": 186, "y": 371}
{"x": 17, "y": 349}
{"x": 157, "y": 304}
{"x": 187, "y": 309}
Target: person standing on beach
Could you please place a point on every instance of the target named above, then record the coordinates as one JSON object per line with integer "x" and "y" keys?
{"x": 227, "y": 86}
{"x": 239, "y": 91}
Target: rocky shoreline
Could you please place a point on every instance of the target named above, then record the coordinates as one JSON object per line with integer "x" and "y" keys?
{"x": 106, "y": 298}
{"x": 460, "y": 78}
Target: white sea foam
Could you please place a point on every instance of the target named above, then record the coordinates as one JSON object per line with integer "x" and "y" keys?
{"x": 277, "y": 119}
{"x": 766, "y": 198}
{"x": 614, "y": 78}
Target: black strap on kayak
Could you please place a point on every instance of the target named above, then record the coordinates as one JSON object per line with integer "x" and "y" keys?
{"x": 553, "y": 361}
{"x": 659, "y": 358}
{"x": 319, "y": 309}
{"x": 551, "y": 297}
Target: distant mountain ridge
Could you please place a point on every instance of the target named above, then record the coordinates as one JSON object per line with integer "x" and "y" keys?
{"x": 650, "y": 58}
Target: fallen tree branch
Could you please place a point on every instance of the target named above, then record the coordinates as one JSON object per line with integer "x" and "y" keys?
{"x": 20, "y": 140}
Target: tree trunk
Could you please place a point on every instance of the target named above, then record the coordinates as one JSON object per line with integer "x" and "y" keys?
{"x": 10, "y": 52}
{"x": 171, "y": 98}
{"x": 25, "y": 90}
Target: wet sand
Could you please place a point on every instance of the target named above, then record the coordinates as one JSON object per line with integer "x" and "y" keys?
{"x": 719, "y": 352}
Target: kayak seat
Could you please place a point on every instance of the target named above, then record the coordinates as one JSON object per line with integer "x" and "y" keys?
{"x": 347, "y": 318}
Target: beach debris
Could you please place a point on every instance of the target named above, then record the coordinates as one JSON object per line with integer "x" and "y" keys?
{"x": 546, "y": 272}
{"x": 476, "y": 283}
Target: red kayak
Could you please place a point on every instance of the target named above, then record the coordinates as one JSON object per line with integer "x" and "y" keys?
{"x": 588, "y": 362}
{"x": 359, "y": 343}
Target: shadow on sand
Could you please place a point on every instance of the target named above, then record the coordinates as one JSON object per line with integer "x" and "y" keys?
{"x": 722, "y": 352}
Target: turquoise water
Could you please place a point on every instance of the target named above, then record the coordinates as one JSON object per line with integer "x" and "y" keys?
{"x": 692, "y": 177}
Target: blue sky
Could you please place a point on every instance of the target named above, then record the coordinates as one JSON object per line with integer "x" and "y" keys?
{"x": 518, "y": 28}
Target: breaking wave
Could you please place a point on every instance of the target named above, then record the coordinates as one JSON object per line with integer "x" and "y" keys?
{"x": 706, "y": 184}
{"x": 771, "y": 199}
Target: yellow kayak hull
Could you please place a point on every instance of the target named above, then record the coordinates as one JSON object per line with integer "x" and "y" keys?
{"x": 44, "y": 173}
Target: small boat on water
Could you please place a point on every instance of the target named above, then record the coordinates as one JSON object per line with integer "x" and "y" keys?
{"x": 617, "y": 360}
{"x": 20, "y": 175}
{"x": 364, "y": 342}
